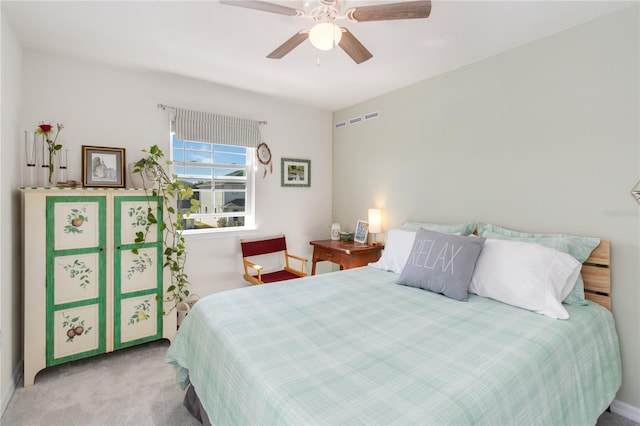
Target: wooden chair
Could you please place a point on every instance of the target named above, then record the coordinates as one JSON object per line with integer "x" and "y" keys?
{"x": 265, "y": 247}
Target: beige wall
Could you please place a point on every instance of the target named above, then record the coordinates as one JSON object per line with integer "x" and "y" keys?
{"x": 106, "y": 106}
{"x": 10, "y": 267}
{"x": 544, "y": 137}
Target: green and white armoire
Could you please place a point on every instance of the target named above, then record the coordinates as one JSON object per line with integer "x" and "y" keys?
{"x": 85, "y": 290}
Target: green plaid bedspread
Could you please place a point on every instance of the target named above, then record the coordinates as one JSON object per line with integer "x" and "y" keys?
{"x": 352, "y": 347}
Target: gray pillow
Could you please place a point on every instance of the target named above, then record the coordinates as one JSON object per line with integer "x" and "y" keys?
{"x": 442, "y": 263}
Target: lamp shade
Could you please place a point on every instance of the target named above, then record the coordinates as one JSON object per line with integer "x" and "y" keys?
{"x": 325, "y": 36}
{"x": 375, "y": 221}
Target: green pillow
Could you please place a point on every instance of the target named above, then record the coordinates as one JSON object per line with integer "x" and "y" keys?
{"x": 462, "y": 228}
{"x": 578, "y": 247}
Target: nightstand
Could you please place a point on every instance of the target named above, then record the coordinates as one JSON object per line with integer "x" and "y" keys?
{"x": 345, "y": 253}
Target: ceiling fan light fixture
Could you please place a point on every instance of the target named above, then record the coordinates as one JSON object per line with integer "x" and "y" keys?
{"x": 325, "y": 35}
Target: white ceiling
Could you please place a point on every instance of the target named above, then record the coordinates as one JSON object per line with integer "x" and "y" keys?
{"x": 228, "y": 45}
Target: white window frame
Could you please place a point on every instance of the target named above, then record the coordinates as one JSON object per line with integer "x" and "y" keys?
{"x": 249, "y": 213}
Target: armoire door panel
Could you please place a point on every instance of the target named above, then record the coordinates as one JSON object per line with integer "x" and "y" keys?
{"x": 138, "y": 271}
{"x": 76, "y": 333}
{"x": 77, "y": 277}
{"x": 76, "y": 224}
{"x": 133, "y": 219}
{"x": 139, "y": 319}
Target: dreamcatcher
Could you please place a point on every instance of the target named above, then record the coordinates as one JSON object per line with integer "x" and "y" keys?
{"x": 264, "y": 157}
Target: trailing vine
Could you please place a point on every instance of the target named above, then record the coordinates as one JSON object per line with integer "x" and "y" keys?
{"x": 171, "y": 192}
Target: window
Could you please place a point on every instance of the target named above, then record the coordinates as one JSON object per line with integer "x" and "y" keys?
{"x": 222, "y": 178}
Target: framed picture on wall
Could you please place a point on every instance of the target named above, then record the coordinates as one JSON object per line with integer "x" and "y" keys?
{"x": 295, "y": 172}
{"x": 103, "y": 166}
{"x": 362, "y": 229}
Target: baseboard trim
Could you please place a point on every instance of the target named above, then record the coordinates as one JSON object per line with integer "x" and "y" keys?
{"x": 626, "y": 410}
{"x": 8, "y": 392}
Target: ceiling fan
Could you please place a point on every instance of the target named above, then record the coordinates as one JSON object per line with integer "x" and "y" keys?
{"x": 325, "y": 34}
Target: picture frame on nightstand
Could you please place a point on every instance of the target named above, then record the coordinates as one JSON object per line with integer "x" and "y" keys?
{"x": 362, "y": 230}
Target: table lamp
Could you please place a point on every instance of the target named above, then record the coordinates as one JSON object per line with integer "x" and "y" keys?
{"x": 375, "y": 225}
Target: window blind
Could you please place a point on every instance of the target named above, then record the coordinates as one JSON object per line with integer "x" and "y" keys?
{"x": 213, "y": 128}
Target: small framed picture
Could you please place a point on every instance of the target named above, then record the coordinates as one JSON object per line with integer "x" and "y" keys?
{"x": 362, "y": 229}
{"x": 295, "y": 172}
{"x": 103, "y": 166}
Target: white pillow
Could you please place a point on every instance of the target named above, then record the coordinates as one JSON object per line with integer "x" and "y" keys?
{"x": 526, "y": 275}
{"x": 396, "y": 250}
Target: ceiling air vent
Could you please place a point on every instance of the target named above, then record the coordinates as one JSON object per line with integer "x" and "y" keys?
{"x": 371, "y": 115}
{"x": 356, "y": 120}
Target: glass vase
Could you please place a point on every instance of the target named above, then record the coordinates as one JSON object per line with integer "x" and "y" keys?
{"x": 63, "y": 155}
{"x": 43, "y": 160}
{"x": 30, "y": 156}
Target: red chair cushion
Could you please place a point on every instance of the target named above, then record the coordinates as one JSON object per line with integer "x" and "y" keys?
{"x": 272, "y": 277}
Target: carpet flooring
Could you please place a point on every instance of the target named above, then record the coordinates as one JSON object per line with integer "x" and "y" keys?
{"x": 131, "y": 386}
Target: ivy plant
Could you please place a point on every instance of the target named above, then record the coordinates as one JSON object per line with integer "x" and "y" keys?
{"x": 171, "y": 192}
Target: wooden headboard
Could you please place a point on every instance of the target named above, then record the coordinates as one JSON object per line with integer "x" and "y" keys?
{"x": 597, "y": 275}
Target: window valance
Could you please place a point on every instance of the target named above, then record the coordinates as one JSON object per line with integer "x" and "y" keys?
{"x": 213, "y": 128}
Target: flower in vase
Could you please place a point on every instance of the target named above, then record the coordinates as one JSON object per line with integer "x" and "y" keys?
{"x": 46, "y": 130}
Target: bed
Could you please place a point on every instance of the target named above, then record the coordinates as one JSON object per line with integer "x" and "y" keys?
{"x": 354, "y": 347}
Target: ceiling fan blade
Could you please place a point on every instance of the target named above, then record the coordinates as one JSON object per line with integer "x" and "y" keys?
{"x": 353, "y": 47}
{"x": 390, "y": 11}
{"x": 289, "y": 45}
{"x": 263, "y": 6}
